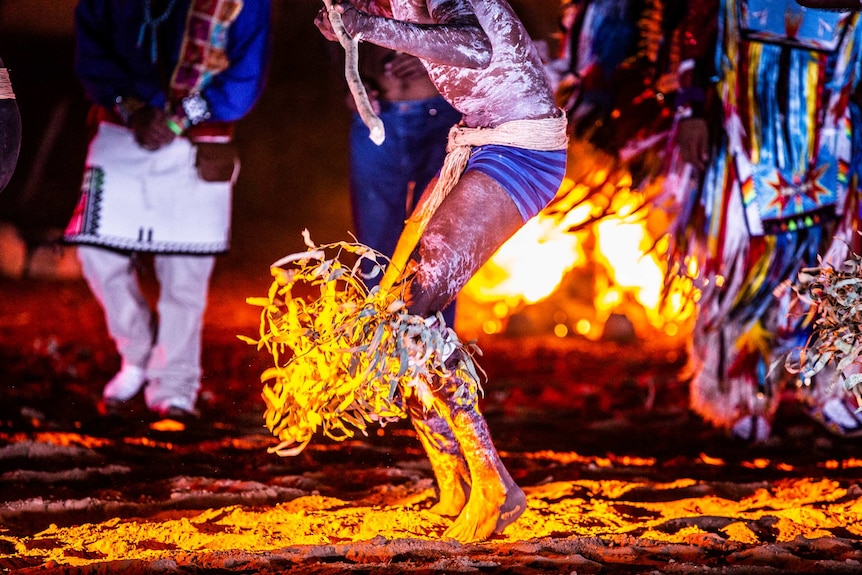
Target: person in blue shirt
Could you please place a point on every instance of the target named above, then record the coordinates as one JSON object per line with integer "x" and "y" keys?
{"x": 168, "y": 79}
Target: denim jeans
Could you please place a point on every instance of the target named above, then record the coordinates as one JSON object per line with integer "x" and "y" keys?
{"x": 386, "y": 181}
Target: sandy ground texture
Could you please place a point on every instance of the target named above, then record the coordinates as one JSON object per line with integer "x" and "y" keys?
{"x": 619, "y": 477}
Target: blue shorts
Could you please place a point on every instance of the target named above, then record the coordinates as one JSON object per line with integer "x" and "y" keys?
{"x": 531, "y": 177}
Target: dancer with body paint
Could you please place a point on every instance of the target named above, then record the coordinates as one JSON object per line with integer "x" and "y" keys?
{"x": 387, "y": 179}
{"x": 505, "y": 162}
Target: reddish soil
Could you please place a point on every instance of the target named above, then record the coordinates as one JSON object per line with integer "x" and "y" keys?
{"x": 620, "y": 477}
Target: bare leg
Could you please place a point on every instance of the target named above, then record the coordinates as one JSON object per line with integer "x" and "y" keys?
{"x": 474, "y": 220}
{"x": 468, "y": 227}
{"x": 494, "y": 500}
{"x": 447, "y": 462}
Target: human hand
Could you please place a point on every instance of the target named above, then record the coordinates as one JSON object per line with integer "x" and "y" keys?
{"x": 348, "y": 15}
{"x": 324, "y": 25}
{"x": 404, "y": 67}
{"x": 567, "y": 91}
{"x": 692, "y": 140}
{"x": 150, "y": 127}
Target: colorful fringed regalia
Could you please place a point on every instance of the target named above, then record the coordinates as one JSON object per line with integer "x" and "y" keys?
{"x": 779, "y": 192}
{"x": 621, "y": 96}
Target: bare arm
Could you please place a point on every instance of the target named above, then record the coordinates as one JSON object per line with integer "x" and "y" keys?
{"x": 452, "y": 39}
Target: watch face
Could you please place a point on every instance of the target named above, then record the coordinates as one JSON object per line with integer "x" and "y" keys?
{"x": 196, "y": 109}
{"x": 787, "y": 22}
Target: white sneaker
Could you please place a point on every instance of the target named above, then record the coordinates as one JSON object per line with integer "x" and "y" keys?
{"x": 162, "y": 396}
{"x": 174, "y": 407}
{"x": 125, "y": 385}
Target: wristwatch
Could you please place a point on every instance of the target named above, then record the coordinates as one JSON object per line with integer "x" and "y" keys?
{"x": 196, "y": 108}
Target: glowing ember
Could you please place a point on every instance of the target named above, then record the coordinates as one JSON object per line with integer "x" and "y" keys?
{"x": 167, "y": 425}
{"x": 58, "y": 438}
{"x": 795, "y": 508}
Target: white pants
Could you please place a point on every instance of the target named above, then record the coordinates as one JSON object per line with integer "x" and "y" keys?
{"x": 149, "y": 201}
{"x": 167, "y": 344}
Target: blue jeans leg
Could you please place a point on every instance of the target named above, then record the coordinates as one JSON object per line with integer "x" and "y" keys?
{"x": 386, "y": 181}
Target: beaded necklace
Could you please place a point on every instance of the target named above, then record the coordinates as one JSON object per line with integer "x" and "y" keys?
{"x": 152, "y": 24}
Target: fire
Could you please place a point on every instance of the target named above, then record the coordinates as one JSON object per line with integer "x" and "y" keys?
{"x": 595, "y": 252}
{"x": 529, "y": 267}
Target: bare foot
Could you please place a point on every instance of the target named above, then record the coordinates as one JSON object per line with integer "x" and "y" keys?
{"x": 452, "y": 498}
{"x": 487, "y": 512}
{"x": 453, "y": 481}
{"x": 495, "y": 500}
{"x": 447, "y": 462}
{"x": 512, "y": 508}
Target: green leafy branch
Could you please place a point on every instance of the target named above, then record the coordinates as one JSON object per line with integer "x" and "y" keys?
{"x": 345, "y": 355}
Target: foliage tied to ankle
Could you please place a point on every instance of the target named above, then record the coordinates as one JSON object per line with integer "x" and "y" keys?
{"x": 345, "y": 355}
{"x": 835, "y": 296}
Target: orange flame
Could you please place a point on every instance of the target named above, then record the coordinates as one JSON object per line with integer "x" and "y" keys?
{"x": 598, "y": 230}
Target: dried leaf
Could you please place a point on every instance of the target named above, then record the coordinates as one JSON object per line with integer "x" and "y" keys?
{"x": 835, "y": 296}
{"x": 353, "y": 352}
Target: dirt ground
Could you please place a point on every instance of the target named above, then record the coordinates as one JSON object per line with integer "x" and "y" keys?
{"x": 619, "y": 476}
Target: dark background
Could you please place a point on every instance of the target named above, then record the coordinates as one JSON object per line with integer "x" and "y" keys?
{"x": 293, "y": 145}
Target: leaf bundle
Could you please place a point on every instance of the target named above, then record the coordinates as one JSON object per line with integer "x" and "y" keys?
{"x": 346, "y": 355}
{"x": 835, "y": 297}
